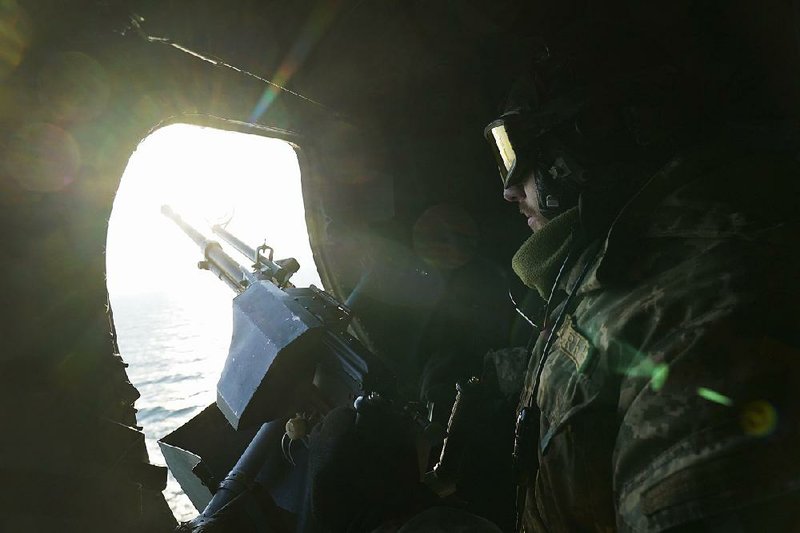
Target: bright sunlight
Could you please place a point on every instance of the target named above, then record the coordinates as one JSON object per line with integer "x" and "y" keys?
{"x": 173, "y": 320}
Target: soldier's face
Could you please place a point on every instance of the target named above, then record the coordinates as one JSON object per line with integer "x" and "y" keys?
{"x": 526, "y": 196}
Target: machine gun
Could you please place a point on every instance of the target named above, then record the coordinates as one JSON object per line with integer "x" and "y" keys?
{"x": 290, "y": 353}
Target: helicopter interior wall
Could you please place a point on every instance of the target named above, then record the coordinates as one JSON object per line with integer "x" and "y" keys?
{"x": 76, "y": 102}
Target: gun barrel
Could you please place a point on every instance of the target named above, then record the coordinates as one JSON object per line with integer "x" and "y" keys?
{"x": 193, "y": 234}
{"x": 277, "y": 271}
{"x": 237, "y": 243}
{"x": 224, "y": 266}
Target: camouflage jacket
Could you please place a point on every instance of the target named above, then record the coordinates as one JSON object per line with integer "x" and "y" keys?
{"x": 669, "y": 394}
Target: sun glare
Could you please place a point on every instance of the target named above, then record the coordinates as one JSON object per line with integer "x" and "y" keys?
{"x": 173, "y": 321}
{"x": 208, "y": 176}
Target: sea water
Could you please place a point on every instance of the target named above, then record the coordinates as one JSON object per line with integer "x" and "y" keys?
{"x": 176, "y": 347}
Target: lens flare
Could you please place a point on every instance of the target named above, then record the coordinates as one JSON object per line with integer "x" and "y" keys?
{"x": 319, "y": 20}
{"x": 659, "y": 377}
{"x": 15, "y": 36}
{"x": 73, "y": 86}
{"x": 445, "y": 236}
{"x": 759, "y": 418}
{"x": 714, "y": 396}
{"x": 642, "y": 366}
{"x": 43, "y": 158}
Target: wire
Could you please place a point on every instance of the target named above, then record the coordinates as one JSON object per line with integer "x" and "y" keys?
{"x": 519, "y": 311}
{"x": 554, "y": 327}
{"x": 285, "y": 443}
{"x": 136, "y": 24}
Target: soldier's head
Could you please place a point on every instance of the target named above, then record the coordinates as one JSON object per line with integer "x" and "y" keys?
{"x": 599, "y": 108}
{"x": 536, "y": 172}
{"x": 551, "y": 153}
{"x": 614, "y": 89}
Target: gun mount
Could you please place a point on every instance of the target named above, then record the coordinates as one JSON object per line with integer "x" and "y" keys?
{"x": 290, "y": 352}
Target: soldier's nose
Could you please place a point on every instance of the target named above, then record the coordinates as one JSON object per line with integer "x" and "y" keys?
{"x": 514, "y": 193}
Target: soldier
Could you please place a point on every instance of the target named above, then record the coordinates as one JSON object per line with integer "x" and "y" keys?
{"x": 661, "y": 392}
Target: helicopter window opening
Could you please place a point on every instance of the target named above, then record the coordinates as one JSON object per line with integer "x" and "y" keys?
{"x": 173, "y": 321}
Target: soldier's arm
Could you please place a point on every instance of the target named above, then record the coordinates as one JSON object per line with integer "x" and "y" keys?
{"x": 709, "y": 406}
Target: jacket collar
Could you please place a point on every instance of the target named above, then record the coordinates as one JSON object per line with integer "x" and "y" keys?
{"x": 634, "y": 219}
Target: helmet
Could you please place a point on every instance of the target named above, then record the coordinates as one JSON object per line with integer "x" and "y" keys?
{"x": 523, "y": 142}
{"x": 581, "y": 120}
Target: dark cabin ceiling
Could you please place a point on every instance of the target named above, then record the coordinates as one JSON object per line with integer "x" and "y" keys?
{"x": 362, "y": 59}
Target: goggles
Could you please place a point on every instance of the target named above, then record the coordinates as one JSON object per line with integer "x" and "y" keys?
{"x": 515, "y": 138}
{"x": 511, "y": 143}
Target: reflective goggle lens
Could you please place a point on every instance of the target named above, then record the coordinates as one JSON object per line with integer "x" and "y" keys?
{"x": 504, "y": 149}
